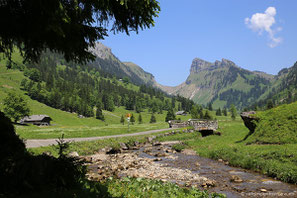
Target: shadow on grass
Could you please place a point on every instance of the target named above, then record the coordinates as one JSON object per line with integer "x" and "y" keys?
{"x": 25, "y": 175}
{"x": 246, "y": 137}
{"x": 94, "y": 190}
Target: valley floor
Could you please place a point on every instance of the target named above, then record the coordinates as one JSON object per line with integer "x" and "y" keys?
{"x": 277, "y": 161}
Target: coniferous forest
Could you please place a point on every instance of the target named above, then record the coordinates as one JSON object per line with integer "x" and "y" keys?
{"x": 81, "y": 88}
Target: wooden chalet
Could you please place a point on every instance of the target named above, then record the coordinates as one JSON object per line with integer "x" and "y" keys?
{"x": 40, "y": 120}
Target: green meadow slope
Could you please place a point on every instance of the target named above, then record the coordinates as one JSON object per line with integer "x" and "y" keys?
{"x": 276, "y": 126}
{"x": 68, "y": 123}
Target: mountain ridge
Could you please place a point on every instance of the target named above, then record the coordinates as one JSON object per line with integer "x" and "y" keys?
{"x": 108, "y": 62}
{"x": 221, "y": 82}
{"x": 207, "y": 81}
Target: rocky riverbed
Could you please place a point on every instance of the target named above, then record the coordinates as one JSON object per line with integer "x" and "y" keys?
{"x": 159, "y": 161}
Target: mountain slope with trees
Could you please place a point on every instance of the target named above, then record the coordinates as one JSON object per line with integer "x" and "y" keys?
{"x": 86, "y": 89}
{"x": 222, "y": 83}
{"x": 282, "y": 91}
{"x": 109, "y": 63}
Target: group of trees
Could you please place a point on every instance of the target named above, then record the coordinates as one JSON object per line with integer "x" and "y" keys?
{"x": 220, "y": 112}
{"x": 132, "y": 119}
{"x": 197, "y": 113}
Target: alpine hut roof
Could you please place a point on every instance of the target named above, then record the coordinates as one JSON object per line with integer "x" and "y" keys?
{"x": 33, "y": 118}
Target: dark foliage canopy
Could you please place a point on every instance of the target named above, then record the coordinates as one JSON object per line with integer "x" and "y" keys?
{"x": 68, "y": 26}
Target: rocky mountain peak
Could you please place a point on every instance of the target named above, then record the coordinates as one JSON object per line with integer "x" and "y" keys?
{"x": 226, "y": 62}
{"x": 198, "y": 64}
{"x": 100, "y": 51}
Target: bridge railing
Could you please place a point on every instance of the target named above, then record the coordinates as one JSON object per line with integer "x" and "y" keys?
{"x": 198, "y": 124}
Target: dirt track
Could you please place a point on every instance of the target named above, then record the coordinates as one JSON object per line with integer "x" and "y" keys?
{"x": 31, "y": 143}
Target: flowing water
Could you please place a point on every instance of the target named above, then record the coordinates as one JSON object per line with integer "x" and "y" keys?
{"x": 232, "y": 181}
{"x": 252, "y": 185}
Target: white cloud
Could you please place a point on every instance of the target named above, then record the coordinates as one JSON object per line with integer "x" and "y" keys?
{"x": 263, "y": 22}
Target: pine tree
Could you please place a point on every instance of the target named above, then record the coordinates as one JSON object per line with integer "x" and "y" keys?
{"x": 138, "y": 106}
{"x": 194, "y": 112}
{"x": 122, "y": 120}
{"x": 233, "y": 111}
{"x": 209, "y": 106}
{"x": 153, "y": 118}
{"x": 225, "y": 111}
{"x": 207, "y": 115}
{"x": 140, "y": 119}
{"x": 269, "y": 104}
{"x": 173, "y": 103}
{"x": 108, "y": 102}
{"x": 201, "y": 115}
{"x": 99, "y": 114}
{"x": 89, "y": 111}
{"x": 219, "y": 112}
{"x": 170, "y": 115}
{"x": 132, "y": 119}
{"x": 179, "y": 107}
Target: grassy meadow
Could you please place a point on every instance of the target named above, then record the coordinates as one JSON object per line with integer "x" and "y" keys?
{"x": 72, "y": 126}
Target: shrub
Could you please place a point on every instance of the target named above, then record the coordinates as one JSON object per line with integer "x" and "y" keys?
{"x": 179, "y": 147}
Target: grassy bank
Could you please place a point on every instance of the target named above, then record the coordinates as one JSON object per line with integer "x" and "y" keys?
{"x": 276, "y": 126}
{"x": 130, "y": 187}
{"x": 275, "y": 160}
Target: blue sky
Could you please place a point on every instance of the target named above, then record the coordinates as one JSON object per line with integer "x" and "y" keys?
{"x": 255, "y": 34}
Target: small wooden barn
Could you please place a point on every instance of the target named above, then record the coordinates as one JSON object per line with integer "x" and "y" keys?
{"x": 40, "y": 120}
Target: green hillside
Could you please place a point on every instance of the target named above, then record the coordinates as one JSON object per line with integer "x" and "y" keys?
{"x": 283, "y": 90}
{"x": 109, "y": 63}
{"x": 276, "y": 126}
{"x": 222, "y": 83}
{"x": 146, "y": 77}
{"x": 69, "y": 123}
{"x": 58, "y": 80}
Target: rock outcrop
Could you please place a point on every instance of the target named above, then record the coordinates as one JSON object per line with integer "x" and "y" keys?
{"x": 249, "y": 120}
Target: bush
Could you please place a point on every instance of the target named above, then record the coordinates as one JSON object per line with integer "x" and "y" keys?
{"x": 179, "y": 147}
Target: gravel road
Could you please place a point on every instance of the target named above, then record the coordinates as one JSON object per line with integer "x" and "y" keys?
{"x": 32, "y": 143}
